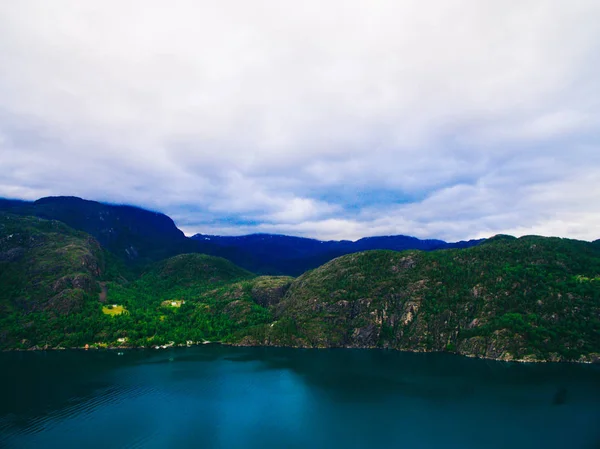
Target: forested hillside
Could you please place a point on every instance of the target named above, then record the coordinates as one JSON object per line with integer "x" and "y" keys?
{"x": 532, "y": 298}
{"x": 45, "y": 265}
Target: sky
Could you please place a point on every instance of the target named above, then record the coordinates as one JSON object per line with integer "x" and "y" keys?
{"x": 338, "y": 119}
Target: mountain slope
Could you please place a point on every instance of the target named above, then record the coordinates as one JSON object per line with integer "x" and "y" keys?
{"x": 508, "y": 298}
{"x": 531, "y": 298}
{"x": 280, "y": 254}
{"x": 175, "y": 300}
{"x": 48, "y": 282}
{"x": 45, "y": 265}
{"x": 59, "y": 288}
{"x": 195, "y": 272}
{"x": 135, "y": 235}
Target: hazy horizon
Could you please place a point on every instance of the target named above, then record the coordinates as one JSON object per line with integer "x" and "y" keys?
{"x": 234, "y": 234}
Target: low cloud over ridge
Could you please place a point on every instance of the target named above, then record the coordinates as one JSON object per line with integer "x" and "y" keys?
{"x": 455, "y": 119}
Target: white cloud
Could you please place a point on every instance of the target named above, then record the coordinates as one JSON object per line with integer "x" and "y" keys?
{"x": 278, "y": 116}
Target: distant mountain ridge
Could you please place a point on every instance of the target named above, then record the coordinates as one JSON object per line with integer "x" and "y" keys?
{"x": 140, "y": 237}
{"x": 295, "y": 255}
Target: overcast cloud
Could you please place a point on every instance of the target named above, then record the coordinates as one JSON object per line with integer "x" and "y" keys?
{"x": 330, "y": 119}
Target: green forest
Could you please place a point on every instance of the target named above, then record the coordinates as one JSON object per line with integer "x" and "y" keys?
{"x": 532, "y": 298}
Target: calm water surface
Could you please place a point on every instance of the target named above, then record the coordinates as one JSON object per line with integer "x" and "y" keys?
{"x": 222, "y": 397}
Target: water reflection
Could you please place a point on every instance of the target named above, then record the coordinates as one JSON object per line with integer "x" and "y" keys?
{"x": 214, "y": 396}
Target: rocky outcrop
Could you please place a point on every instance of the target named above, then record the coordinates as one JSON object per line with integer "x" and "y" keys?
{"x": 269, "y": 290}
{"x": 78, "y": 281}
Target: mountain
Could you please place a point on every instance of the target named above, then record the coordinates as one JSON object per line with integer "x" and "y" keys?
{"x": 280, "y": 254}
{"x": 60, "y": 288}
{"x": 403, "y": 242}
{"x": 46, "y": 266}
{"x": 530, "y": 298}
{"x": 137, "y": 236}
{"x": 192, "y": 271}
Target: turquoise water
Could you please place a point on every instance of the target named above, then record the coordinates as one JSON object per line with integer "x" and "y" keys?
{"x": 224, "y": 397}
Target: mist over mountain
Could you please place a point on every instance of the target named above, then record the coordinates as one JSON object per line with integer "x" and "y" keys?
{"x": 139, "y": 237}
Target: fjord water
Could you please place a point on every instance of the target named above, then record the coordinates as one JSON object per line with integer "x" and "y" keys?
{"x": 224, "y": 397}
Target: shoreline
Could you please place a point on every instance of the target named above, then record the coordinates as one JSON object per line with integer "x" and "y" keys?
{"x": 595, "y": 356}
